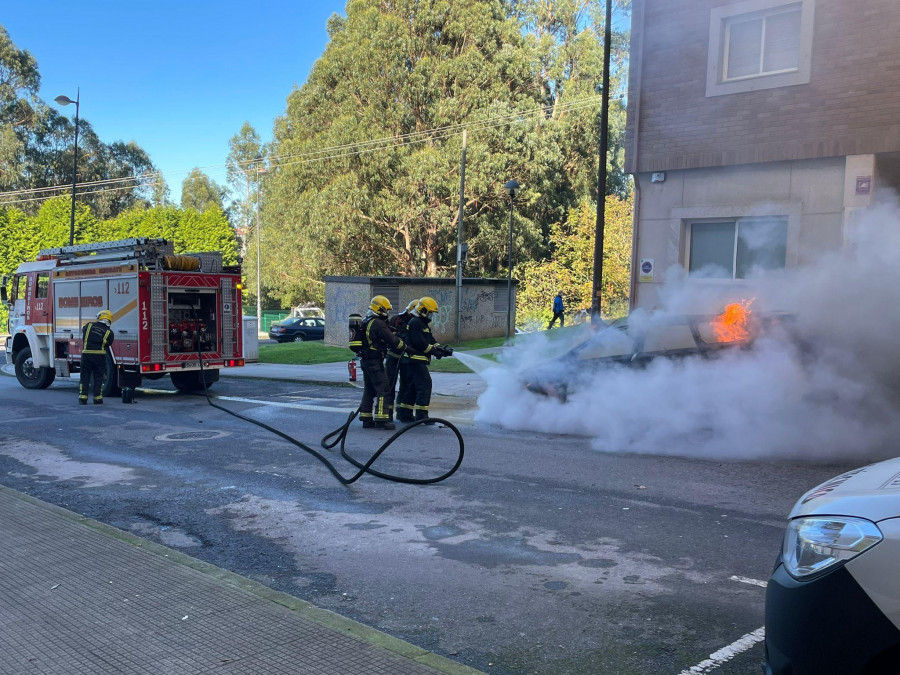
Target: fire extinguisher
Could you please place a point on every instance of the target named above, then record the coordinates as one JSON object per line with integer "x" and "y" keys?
{"x": 351, "y": 368}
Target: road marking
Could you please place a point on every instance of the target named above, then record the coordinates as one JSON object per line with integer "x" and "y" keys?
{"x": 752, "y": 582}
{"x": 725, "y": 654}
{"x": 278, "y": 404}
{"x": 299, "y": 406}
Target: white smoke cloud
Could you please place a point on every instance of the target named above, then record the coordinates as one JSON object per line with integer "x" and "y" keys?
{"x": 826, "y": 385}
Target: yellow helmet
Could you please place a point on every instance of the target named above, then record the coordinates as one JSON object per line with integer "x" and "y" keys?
{"x": 380, "y": 305}
{"x": 104, "y": 315}
{"x": 410, "y": 308}
{"x": 426, "y": 306}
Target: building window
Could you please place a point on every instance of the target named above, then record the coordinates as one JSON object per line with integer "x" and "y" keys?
{"x": 759, "y": 44}
{"x": 766, "y": 43}
{"x": 737, "y": 249}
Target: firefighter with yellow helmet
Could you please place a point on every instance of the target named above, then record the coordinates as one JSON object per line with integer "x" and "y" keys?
{"x": 421, "y": 346}
{"x": 392, "y": 364}
{"x": 97, "y": 339}
{"x": 377, "y": 341}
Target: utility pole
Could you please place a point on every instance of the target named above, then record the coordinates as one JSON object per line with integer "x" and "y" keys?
{"x": 460, "y": 252}
{"x": 260, "y": 172}
{"x": 65, "y": 100}
{"x": 601, "y": 171}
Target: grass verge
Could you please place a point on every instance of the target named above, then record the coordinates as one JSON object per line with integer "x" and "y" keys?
{"x": 303, "y": 353}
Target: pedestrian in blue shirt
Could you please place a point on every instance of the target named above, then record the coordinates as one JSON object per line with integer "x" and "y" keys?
{"x": 558, "y": 312}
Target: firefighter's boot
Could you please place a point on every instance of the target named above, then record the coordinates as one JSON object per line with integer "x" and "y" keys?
{"x": 385, "y": 424}
{"x": 405, "y": 414}
{"x": 423, "y": 415}
{"x": 98, "y": 401}
{"x": 367, "y": 422}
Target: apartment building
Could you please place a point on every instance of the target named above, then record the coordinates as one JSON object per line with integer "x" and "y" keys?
{"x": 756, "y": 131}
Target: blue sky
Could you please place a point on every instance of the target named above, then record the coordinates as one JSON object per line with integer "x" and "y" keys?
{"x": 178, "y": 77}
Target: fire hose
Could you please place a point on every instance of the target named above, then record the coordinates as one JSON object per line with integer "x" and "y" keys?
{"x": 340, "y": 436}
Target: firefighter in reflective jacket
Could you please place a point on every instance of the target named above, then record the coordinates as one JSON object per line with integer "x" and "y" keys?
{"x": 421, "y": 347}
{"x": 97, "y": 340}
{"x": 377, "y": 340}
{"x": 392, "y": 363}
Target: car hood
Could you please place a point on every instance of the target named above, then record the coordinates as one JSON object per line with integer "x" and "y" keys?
{"x": 871, "y": 492}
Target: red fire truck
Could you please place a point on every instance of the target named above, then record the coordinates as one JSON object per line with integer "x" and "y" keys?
{"x": 167, "y": 309}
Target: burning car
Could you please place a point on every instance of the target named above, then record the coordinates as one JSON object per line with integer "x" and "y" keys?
{"x": 634, "y": 343}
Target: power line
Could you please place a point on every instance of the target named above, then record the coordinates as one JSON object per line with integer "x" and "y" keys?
{"x": 337, "y": 151}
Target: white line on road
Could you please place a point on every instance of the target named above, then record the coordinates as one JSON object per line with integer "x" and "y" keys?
{"x": 725, "y": 654}
{"x": 278, "y": 404}
{"x": 748, "y": 580}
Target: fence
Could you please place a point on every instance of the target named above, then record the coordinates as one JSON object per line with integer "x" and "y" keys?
{"x": 269, "y": 316}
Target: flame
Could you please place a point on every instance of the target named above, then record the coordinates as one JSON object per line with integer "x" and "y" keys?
{"x": 732, "y": 324}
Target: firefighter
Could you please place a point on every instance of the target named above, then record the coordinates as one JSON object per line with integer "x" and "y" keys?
{"x": 421, "y": 347}
{"x": 377, "y": 340}
{"x": 97, "y": 339}
{"x": 393, "y": 364}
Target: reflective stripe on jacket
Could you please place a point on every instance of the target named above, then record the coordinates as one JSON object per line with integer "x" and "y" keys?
{"x": 97, "y": 338}
{"x": 420, "y": 339}
{"x": 378, "y": 338}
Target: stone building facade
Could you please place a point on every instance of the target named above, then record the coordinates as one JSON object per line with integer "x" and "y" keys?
{"x": 756, "y": 130}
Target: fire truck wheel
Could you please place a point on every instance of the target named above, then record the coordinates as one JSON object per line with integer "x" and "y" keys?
{"x": 111, "y": 388}
{"x": 31, "y": 377}
{"x": 190, "y": 381}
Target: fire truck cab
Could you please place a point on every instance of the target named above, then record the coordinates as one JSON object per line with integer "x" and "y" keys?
{"x": 169, "y": 312}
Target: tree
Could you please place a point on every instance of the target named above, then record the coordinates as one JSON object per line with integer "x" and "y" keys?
{"x": 571, "y": 267}
{"x": 199, "y": 192}
{"x": 245, "y": 151}
{"x": 392, "y": 71}
{"x": 345, "y": 202}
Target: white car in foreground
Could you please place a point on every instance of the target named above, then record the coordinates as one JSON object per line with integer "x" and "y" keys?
{"x": 833, "y": 601}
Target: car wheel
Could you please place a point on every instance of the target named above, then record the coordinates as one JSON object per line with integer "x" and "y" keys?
{"x": 299, "y": 338}
{"x": 32, "y": 377}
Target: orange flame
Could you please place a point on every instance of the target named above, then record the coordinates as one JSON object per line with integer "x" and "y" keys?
{"x": 732, "y": 324}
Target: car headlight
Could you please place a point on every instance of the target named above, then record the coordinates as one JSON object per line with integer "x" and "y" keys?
{"x": 814, "y": 544}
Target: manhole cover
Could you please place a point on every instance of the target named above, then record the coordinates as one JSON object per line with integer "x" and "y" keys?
{"x": 192, "y": 435}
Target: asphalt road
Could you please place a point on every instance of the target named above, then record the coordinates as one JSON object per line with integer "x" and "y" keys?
{"x": 539, "y": 556}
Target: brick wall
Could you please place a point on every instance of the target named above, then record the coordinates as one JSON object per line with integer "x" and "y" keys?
{"x": 850, "y": 106}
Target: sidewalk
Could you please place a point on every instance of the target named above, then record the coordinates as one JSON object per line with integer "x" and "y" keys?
{"x": 78, "y": 596}
{"x": 448, "y": 389}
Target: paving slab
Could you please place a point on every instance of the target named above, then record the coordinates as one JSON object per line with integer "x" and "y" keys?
{"x": 78, "y": 596}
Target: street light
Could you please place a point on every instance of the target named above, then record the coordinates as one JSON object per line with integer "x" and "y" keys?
{"x": 260, "y": 172}
{"x": 511, "y": 188}
{"x": 65, "y": 100}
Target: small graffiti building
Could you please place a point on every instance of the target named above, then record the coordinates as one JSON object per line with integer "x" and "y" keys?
{"x": 481, "y": 314}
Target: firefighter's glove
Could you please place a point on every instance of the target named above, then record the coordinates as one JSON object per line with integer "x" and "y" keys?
{"x": 440, "y": 351}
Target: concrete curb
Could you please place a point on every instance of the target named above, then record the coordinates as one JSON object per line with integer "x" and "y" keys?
{"x": 309, "y": 611}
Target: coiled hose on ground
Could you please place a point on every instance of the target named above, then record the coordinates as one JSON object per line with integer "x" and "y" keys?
{"x": 340, "y": 436}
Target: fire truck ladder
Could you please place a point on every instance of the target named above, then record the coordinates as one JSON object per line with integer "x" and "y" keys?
{"x": 148, "y": 252}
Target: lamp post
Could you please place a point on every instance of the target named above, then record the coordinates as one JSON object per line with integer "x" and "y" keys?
{"x": 511, "y": 188}
{"x": 65, "y": 100}
{"x": 260, "y": 172}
